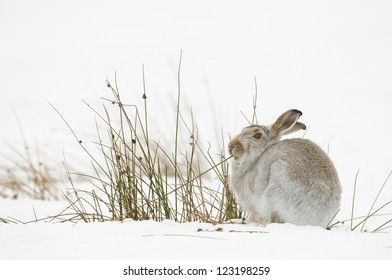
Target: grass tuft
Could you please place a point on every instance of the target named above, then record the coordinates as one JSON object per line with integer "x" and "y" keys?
{"x": 135, "y": 177}
{"x": 27, "y": 173}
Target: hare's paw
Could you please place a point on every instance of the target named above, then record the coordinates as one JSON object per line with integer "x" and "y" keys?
{"x": 256, "y": 219}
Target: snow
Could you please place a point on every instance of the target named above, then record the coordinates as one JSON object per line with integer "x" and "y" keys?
{"x": 167, "y": 240}
{"x": 151, "y": 240}
{"x": 330, "y": 59}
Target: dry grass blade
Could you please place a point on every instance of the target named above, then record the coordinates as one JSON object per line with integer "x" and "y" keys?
{"x": 383, "y": 226}
{"x": 353, "y": 200}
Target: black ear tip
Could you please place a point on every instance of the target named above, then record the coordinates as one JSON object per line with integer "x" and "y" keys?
{"x": 296, "y": 112}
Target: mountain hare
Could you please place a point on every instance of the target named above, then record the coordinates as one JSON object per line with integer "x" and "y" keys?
{"x": 291, "y": 181}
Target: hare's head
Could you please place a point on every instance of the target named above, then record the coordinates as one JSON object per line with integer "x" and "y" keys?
{"x": 255, "y": 138}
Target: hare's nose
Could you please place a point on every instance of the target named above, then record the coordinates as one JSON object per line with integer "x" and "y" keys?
{"x": 231, "y": 149}
{"x": 233, "y": 144}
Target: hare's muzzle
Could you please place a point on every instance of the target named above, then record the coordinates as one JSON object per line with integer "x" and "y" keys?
{"x": 236, "y": 149}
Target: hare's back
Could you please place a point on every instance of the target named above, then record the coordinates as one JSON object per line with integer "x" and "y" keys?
{"x": 301, "y": 158}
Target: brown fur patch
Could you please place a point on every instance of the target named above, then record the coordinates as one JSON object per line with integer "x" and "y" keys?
{"x": 274, "y": 218}
{"x": 239, "y": 150}
{"x": 236, "y": 148}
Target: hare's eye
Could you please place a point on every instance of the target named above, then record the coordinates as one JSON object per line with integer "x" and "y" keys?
{"x": 257, "y": 135}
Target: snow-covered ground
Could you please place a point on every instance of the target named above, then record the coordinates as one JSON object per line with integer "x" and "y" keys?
{"x": 167, "y": 244}
{"x": 329, "y": 59}
{"x": 169, "y": 240}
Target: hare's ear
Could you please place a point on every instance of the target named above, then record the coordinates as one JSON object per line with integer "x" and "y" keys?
{"x": 287, "y": 123}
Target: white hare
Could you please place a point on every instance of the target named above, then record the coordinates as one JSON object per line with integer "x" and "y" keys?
{"x": 291, "y": 181}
